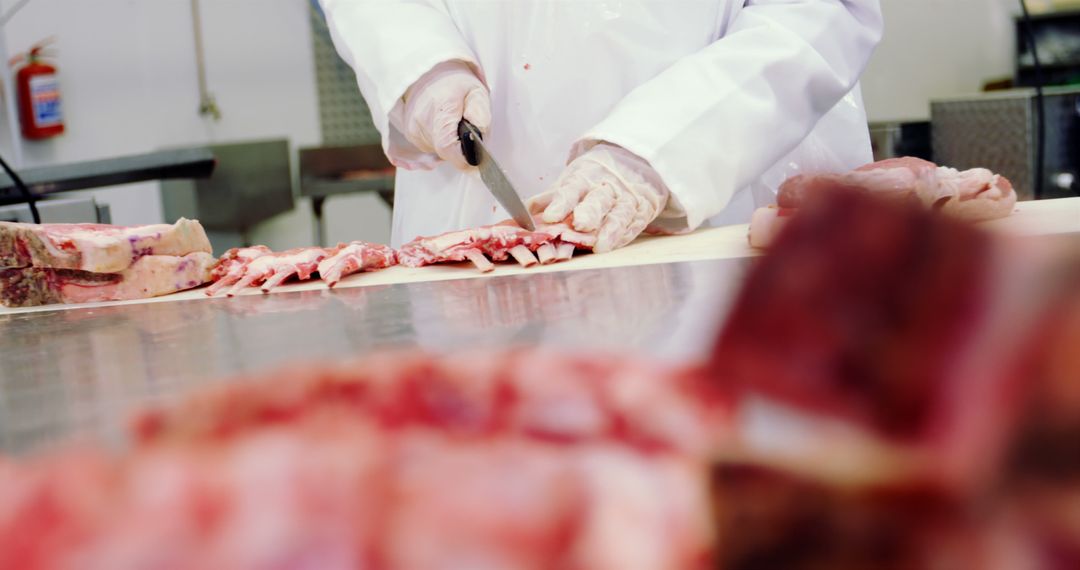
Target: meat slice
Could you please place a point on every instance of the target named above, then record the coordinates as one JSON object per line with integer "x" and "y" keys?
{"x": 96, "y": 248}
{"x": 354, "y": 257}
{"x": 974, "y": 195}
{"x": 149, "y": 276}
{"x": 548, "y": 244}
{"x": 245, "y": 267}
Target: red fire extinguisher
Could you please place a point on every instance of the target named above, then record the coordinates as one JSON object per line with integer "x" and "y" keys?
{"x": 39, "y": 97}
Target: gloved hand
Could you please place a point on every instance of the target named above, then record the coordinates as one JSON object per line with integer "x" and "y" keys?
{"x": 436, "y": 103}
{"x": 610, "y": 191}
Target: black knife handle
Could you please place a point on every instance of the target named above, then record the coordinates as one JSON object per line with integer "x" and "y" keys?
{"x": 466, "y": 131}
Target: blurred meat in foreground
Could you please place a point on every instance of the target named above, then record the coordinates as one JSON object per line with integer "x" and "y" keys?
{"x": 893, "y": 389}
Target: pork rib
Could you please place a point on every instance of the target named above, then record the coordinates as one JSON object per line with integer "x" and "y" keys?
{"x": 974, "y": 195}
{"x": 245, "y": 267}
{"x": 149, "y": 276}
{"x": 353, "y": 257}
{"x": 549, "y": 243}
{"x": 96, "y": 248}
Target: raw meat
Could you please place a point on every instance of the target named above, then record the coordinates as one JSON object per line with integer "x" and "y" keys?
{"x": 245, "y": 267}
{"x": 549, "y": 243}
{"x": 881, "y": 315}
{"x": 354, "y": 257}
{"x": 94, "y": 247}
{"x": 904, "y": 395}
{"x": 514, "y": 460}
{"x": 149, "y": 276}
{"x": 232, "y": 266}
{"x": 974, "y": 195}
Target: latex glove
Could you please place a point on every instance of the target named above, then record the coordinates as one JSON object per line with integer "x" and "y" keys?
{"x": 436, "y": 103}
{"x": 610, "y": 191}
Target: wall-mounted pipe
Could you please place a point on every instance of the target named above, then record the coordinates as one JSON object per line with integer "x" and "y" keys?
{"x": 207, "y": 105}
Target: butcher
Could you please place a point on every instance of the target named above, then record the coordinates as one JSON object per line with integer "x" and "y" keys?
{"x": 617, "y": 116}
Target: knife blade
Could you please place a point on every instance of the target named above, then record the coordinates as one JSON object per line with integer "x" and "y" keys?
{"x": 494, "y": 177}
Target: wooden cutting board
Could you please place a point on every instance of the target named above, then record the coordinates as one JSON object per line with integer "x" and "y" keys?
{"x": 1060, "y": 216}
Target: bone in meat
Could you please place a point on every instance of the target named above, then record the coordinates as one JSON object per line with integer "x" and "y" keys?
{"x": 476, "y": 245}
{"x": 149, "y": 276}
{"x": 354, "y": 257}
{"x": 549, "y": 243}
{"x": 244, "y": 267}
{"x": 96, "y": 248}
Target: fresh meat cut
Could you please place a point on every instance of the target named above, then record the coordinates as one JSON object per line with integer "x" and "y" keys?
{"x": 96, "y": 248}
{"x": 548, "y": 244}
{"x": 903, "y": 393}
{"x": 882, "y": 313}
{"x": 893, "y": 389}
{"x": 974, "y": 195}
{"x": 148, "y": 276}
{"x": 399, "y": 461}
{"x": 246, "y": 266}
{"x": 353, "y": 257}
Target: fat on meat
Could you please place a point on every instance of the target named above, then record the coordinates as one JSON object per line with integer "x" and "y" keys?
{"x": 482, "y": 245}
{"x": 96, "y": 248}
{"x": 354, "y": 257}
{"x": 149, "y": 276}
{"x": 974, "y": 195}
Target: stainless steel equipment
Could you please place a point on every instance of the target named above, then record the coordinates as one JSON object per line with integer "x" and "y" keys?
{"x": 997, "y": 131}
{"x": 84, "y": 370}
{"x": 337, "y": 170}
{"x": 161, "y": 165}
{"x": 252, "y": 183}
{"x": 59, "y": 211}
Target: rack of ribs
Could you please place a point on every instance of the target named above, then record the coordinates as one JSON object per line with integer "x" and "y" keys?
{"x": 79, "y": 263}
{"x": 258, "y": 265}
{"x": 973, "y": 195}
{"x": 482, "y": 245}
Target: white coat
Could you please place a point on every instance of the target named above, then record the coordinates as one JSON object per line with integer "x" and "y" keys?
{"x": 724, "y": 98}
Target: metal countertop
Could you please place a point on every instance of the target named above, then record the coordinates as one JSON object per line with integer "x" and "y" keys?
{"x": 82, "y": 371}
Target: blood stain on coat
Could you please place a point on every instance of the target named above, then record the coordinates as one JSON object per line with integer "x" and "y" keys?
{"x": 528, "y": 66}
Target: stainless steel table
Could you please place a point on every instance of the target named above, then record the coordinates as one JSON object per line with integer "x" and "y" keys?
{"x": 82, "y": 371}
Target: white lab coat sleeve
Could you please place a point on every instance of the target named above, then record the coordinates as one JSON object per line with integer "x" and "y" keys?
{"x": 716, "y": 120}
{"x": 390, "y": 44}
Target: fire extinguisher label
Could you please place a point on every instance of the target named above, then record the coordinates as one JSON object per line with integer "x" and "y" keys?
{"x": 45, "y": 100}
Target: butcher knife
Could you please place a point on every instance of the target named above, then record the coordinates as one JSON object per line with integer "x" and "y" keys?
{"x": 476, "y": 154}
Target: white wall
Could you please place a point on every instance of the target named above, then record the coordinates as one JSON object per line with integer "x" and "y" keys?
{"x": 128, "y": 82}
{"x": 937, "y": 48}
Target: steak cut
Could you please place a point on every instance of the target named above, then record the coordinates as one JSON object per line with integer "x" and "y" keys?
{"x": 148, "y": 276}
{"x": 96, "y": 248}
